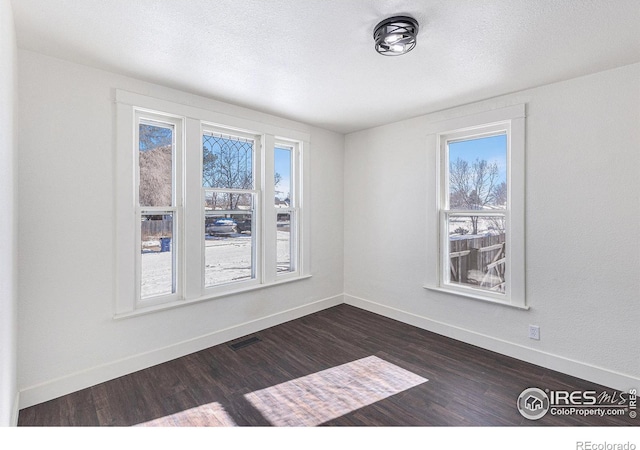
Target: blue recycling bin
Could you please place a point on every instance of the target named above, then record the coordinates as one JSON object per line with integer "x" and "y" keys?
{"x": 165, "y": 244}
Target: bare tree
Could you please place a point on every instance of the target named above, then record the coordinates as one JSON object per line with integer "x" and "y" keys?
{"x": 155, "y": 165}
{"x": 227, "y": 164}
{"x": 155, "y": 176}
{"x": 501, "y": 193}
{"x": 209, "y": 160}
{"x": 475, "y": 186}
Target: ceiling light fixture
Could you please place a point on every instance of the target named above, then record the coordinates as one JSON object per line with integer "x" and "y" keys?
{"x": 396, "y": 35}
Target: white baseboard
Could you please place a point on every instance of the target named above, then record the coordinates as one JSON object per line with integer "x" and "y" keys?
{"x": 15, "y": 410}
{"x": 571, "y": 367}
{"x": 74, "y": 382}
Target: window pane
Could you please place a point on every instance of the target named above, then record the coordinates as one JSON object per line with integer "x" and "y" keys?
{"x": 477, "y": 251}
{"x": 282, "y": 164}
{"x": 155, "y": 158}
{"x": 157, "y": 261}
{"x": 229, "y": 248}
{"x": 478, "y": 173}
{"x": 284, "y": 242}
{"x": 227, "y": 161}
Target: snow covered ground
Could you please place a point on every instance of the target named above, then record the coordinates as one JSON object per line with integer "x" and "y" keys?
{"x": 487, "y": 226}
{"x": 227, "y": 259}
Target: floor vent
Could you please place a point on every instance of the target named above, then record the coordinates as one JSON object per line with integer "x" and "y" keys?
{"x": 244, "y": 343}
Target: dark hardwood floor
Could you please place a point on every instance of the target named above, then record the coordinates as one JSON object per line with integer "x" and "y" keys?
{"x": 467, "y": 386}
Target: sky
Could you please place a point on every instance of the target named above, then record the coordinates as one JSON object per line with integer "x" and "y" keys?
{"x": 493, "y": 149}
{"x": 159, "y": 136}
{"x": 282, "y": 162}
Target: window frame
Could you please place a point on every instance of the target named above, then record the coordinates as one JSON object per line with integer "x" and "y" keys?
{"x": 257, "y": 195}
{"x": 509, "y": 121}
{"x": 293, "y": 210}
{"x": 190, "y": 246}
{"x": 141, "y": 116}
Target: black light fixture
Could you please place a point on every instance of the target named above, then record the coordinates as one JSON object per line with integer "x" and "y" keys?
{"x": 396, "y": 35}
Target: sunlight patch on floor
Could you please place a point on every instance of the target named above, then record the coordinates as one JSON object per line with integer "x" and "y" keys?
{"x": 317, "y": 398}
{"x": 209, "y": 415}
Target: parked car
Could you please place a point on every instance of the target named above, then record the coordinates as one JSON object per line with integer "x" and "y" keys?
{"x": 221, "y": 226}
{"x": 243, "y": 225}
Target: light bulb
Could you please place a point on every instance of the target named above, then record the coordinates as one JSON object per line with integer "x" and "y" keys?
{"x": 392, "y": 38}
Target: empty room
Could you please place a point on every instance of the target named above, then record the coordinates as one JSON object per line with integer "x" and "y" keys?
{"x": 287, "y": 213}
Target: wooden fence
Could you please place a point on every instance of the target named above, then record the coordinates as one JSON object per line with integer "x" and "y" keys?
{"x": 154, "y": 229}
{"x": 478, "y": 260}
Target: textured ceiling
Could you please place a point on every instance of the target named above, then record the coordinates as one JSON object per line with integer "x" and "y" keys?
{"x": 314, "y": 61}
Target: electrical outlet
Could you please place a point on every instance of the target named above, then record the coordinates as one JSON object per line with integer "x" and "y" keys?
{"x": 534, "y": 332}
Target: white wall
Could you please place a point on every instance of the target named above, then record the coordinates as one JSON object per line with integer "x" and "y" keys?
{"x": 8, "y": 240}
{"x": 582, "y": 222}
{"x": 67, "y": 337}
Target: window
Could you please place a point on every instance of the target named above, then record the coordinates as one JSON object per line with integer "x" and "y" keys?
{"x": 480, "y": 207}
{"x": 228, "y": 183}
{"x": 159, "y": 199}
{"x": 196, "y": 216}
{"x": 286, "y": 210}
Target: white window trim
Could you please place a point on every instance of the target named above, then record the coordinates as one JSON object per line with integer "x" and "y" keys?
{"x": 511, "y": 119}
{"x": 176, "y": 208}
{"x": 258, "y": 195}
{"x": 191, "y": 276}
{"x": 293, "y": 209}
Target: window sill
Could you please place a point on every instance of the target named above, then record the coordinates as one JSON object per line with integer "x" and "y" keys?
{"x": 475, "y": 296}
{"x": 178, "y": 303}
